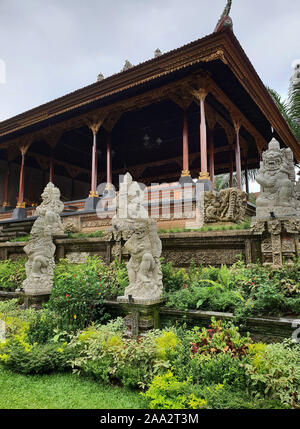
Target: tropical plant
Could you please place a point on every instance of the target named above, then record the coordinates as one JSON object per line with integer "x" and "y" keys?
{"x": 289, "y": 108}
{"x": 222, "y": 181}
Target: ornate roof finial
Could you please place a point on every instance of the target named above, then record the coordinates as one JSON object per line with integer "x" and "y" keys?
{"x": 127, "y": 66}
{"x": 157, "y": 53}
{"x": 100, "y": 77}
{"x": 225, "y": 20}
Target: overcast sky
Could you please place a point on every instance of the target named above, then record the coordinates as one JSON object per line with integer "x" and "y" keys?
{"x": 52, "y": 47}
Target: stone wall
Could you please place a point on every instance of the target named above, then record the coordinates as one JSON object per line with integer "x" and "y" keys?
{"x": 208, "y": 248}
{"x": 261, "y": 329}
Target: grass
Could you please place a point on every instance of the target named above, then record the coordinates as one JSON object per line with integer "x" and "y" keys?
{"x": 85, "y": 235}
{"x": 206, "y": 228}
{"x": 62, "y": 391}
{"x": 23, "y": 238}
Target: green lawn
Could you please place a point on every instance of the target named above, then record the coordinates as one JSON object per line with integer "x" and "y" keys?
{"x": 62, "y": 391}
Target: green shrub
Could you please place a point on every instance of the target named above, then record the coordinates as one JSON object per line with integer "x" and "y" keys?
{"x": 211, "y": 356}
{"x": 275, "y": 372}
{"x": 77, "y": 297}
{"x": 167, "y": 392}
{"x": 173, "y": 278}
{"x": 12, "y": 274}
{"x": 226, "y": 397}
{"x": 42, "y": 327}
{"x": 218, "y": 369}
{"x": 107, "y": 356}
{"x": 36, "y": 359}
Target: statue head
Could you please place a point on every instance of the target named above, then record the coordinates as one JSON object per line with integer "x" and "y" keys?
{"x": 272, "y": 158}
{"x": 140, "y": 231}
{"x": 50, "y": 192}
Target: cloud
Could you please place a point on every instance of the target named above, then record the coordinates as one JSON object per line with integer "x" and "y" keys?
{"x": 54, "y": 47}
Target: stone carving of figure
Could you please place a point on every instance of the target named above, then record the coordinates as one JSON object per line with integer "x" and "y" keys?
{"x": 130, "y": 200}
{"x": 144, "y": 271}
{"x": 297, "y": 191}
{"x": 229, "y": 205}
{"x": 142, "y": 242}
{"x": 40, "y": 249}
{"x": 276, "y": 177}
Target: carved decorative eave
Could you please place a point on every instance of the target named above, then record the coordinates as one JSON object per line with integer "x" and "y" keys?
{"x": 219, "y": 46}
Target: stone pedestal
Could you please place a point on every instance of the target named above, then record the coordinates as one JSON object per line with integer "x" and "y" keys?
{"x": 186, "y": 179}
{"x": 279, "y": 239}
{"x": 91, "y": 203}
{"x": 5, "y": 209}
{"x": 36, "y": 299}
{"x": 141, "y": 315}
{"x": 19, "y": 213}
{"x": 207, "y": 184}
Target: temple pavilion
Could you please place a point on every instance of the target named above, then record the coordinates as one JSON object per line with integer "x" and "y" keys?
{"x": 191, "y": 113}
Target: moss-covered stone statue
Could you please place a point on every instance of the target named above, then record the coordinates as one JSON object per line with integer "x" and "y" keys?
{"x": 41, "y": 249}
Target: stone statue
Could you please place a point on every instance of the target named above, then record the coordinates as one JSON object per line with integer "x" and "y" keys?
{"x": 130, "y": 200}
{"x": 40, "y": 249}
{"x": 142, "y": 242}
{"x": 229, "y": 205}
{"x": 276, "y": 177}
{"x": 127, "y": 66}
{"x": 297, "y": 192}
{"x": 144, "y": 270}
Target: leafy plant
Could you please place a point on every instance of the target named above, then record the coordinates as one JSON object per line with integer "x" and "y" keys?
{"x": 77, "y": 297}
{"x": 167, "y": 392}
{"x": 12, "y": 274}
{"x": 275, "y": 372}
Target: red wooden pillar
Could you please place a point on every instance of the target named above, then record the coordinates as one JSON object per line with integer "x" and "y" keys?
{"x": 6, "y": 187}
{"x": 238, "y": 158}
{"x": 211, "y": 155}
{"x": 21, "y": 203}
{"x": 246, "y": 179}
{"x": 230, "y": 167}
{"x": 185, "y": 147}
{"x": 108, "y": 163}
{"x": 203, "y": 139}
{"x": 51, "y": 176}
{"x": 93, "y": 191}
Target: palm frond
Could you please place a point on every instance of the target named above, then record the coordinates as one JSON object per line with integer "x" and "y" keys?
{"x": 290, "y": 109}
